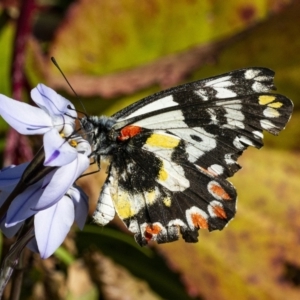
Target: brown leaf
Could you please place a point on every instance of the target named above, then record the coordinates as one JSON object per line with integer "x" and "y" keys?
{"x": 79, "y": 282}
{"x": 114, "y": 281}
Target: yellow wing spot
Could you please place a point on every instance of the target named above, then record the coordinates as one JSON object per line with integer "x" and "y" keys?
{"x": 163, "y": 141}
{"x": 163, "y": 174}
{"x": 123, "y": 205}
{"x": 150, "y": 197}
{"x": 167, "y": 201}
{"x": 265, "y": 99}
{"x": 275, "y": 104}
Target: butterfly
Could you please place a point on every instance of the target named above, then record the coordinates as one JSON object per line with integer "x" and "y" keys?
{"x": 170, "y": 153}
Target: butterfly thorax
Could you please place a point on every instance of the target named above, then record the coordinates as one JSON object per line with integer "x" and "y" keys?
{"x": 101, "y": 134}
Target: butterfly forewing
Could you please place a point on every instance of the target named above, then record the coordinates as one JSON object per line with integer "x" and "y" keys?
{"x": 172, "y": 152}
{"x": 233, "y": 84}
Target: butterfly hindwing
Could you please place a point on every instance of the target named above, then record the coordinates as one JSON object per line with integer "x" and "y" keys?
{"x": 158, "y": 192}
{"x": 174, "y": 150}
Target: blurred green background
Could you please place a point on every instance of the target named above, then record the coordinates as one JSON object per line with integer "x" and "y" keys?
{"x": 116, "y": 52}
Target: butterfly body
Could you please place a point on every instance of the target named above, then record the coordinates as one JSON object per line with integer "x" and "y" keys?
{"x": 172, "y": 152}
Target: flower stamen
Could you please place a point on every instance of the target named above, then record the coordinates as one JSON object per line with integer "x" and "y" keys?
{"x": 73, "y": 143}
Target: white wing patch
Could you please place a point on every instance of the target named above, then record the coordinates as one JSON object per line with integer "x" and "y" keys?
{"x": 257, "y": 134}
{"x": 223, "y": 81}
{"x": 213, "y": 116}
{"x": 259, "y": 87}
{"x": 153, "y": 106}
{"x": 246, "y": 141}
{"x": 237, "y": 143}
{"x": 266, "y": 124}
{"x": 193, "y": 153}
{"x": 233, "y": 114}
{"x": 105, "y": 210}
{"x": 217, "y": 169}
{"x": 251, "y": 73}
{"x": 270, "y": 112}
{"x": 196, "y": 148}
{"x": 202, "y": 94}
{"x": 224, "y": 93}
{"x": 172, "y": 177}
{"x": 171, "y": 119}
{"x": 220, "y": 86}
{"x": 233, "y": 104}
{"x": 228, "y": 159}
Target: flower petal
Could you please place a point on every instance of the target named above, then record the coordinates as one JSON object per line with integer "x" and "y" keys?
{"x": 61, "y": 181}
{"x": 5, "y": 192}
{"x": 20, "y": 208}
{"x": 52, "y": 225}
{"x": 24, "y": 118}
{"x": 51, "y": 102}
{"x": 11, "y": 175}
{"x": 32, "y": 245}
{"x": 9, "y": 232}
{"x": 83, "y": 162}
{"x": 58, "y": 152}
{"x": 81, "y": 204}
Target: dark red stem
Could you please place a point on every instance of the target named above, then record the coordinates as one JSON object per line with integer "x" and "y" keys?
{"x": 17, "y": 149}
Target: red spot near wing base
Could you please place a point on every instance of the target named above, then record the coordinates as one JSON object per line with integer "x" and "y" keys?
{"x": 199, "y": 221}
{"x": 128, "y": 132}
{"x": 151, "y": 230}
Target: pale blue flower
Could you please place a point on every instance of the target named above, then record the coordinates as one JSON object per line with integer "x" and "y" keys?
{"x": 53, "y": 200}
{"x": 52, "y": 225}
{"x": 55, "y": 118}
{"x": 54, "y": 112}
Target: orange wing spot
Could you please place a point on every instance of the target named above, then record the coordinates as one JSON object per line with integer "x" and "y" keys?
{"x": 129, "y": 132}
{"x": 199, "y": 221}
{"x": 150, "y": 230}
{"x": 219, "y": 191}
{"x": 219, "y": 212}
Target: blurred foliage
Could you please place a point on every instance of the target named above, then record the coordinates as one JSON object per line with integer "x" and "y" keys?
{"x": 6, "y": 36}
{"x": 124, "y": 37}
{"x": 99, "y": 44}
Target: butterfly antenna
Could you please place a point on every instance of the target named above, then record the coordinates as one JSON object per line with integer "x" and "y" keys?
{"x": 64, "y": 76}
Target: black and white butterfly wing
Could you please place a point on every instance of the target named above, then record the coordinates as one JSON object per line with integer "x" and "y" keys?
{"x": 176, "y": 148}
